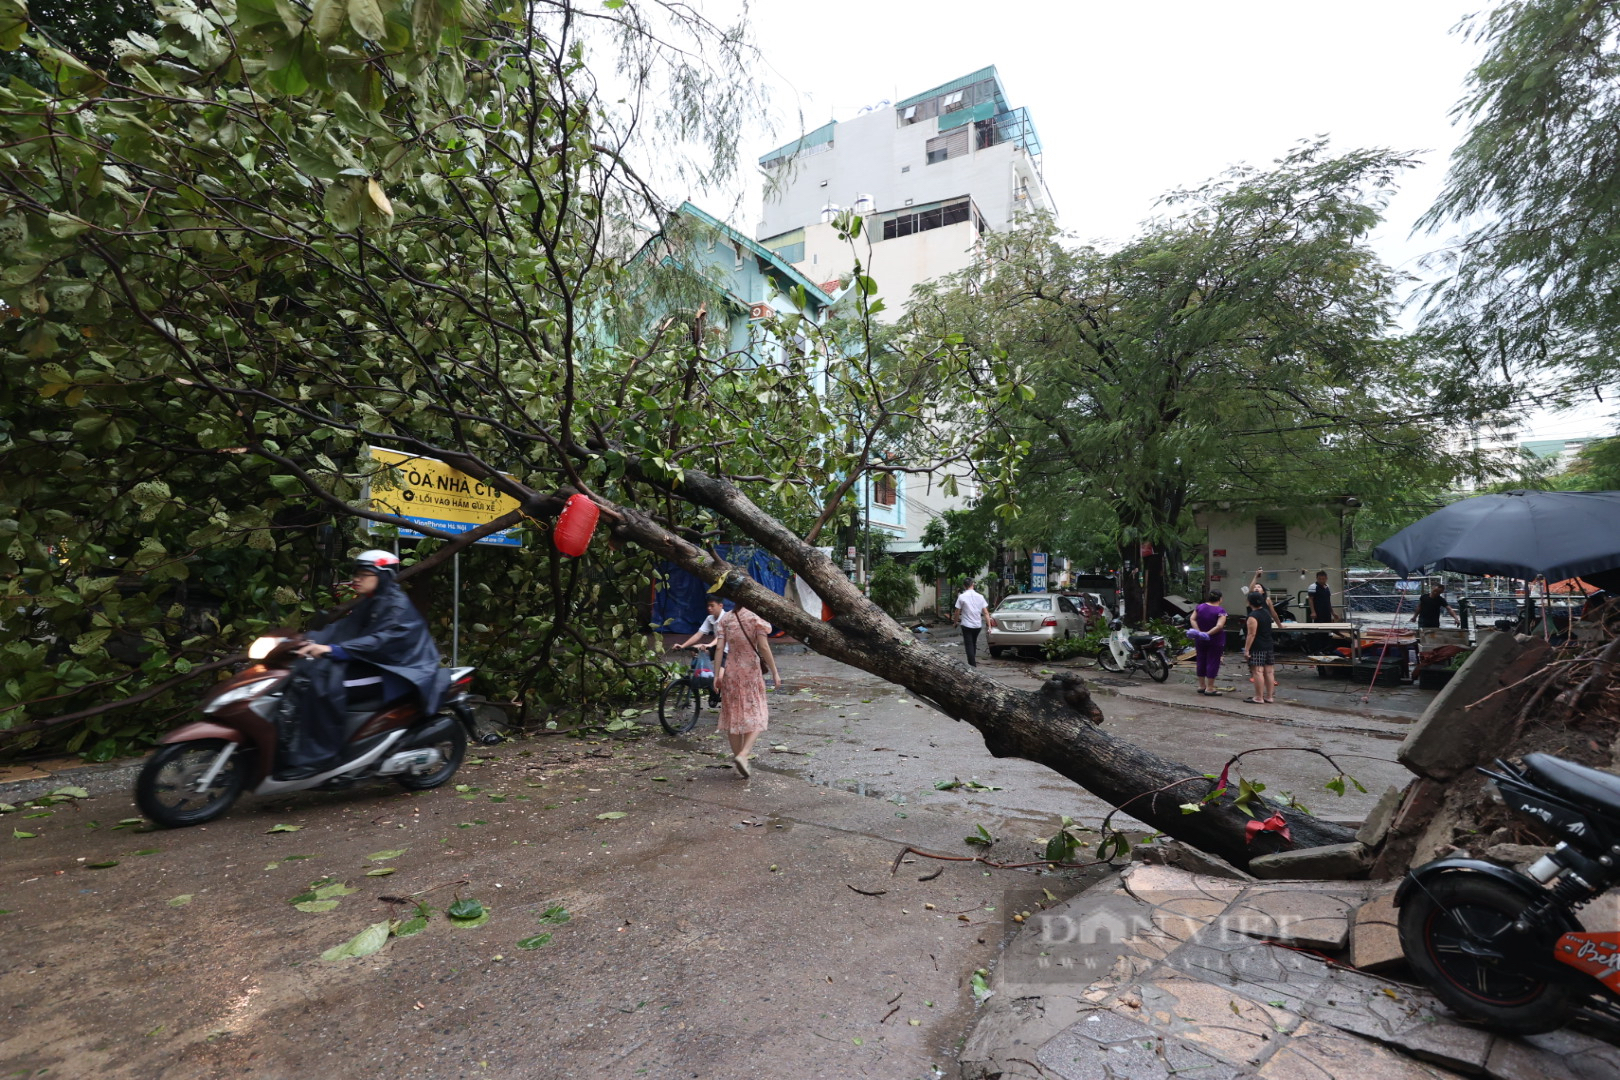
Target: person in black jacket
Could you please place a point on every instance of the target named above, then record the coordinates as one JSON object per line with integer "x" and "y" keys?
{"x": 383, "y": 652}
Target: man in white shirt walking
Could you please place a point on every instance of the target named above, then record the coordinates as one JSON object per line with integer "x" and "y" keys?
{"x": 969, "y": 615}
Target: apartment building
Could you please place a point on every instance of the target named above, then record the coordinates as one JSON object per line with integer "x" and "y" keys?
{"x": 930, "y": 175}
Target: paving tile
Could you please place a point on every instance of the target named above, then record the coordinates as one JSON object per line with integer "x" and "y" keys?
{"x": 1400, "y": 1016}
{"x": 8, "y": 773}
{"x": 1072, "y": 1057}
{"x": 1111, "y": 1046}
{"x": 1578, "y": 1056}
{"x": 1233, "y": 1028}
{"x": 1309, "y": 918}
{"x": 1315, "y": 1052}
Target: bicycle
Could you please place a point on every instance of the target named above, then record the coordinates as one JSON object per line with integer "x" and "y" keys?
{"x": 682, "y": 698}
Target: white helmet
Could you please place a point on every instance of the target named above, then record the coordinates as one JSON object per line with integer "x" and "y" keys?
{"x": 376, "y": 561}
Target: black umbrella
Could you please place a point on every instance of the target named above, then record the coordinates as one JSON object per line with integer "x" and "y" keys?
{"x": 1518, "y": 534}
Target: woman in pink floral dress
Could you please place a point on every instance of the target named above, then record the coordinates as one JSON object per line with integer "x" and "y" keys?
{"x": 741, "y": 642}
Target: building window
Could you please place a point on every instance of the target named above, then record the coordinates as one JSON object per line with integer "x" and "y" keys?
{"x": 1270, "y": 537}
{"x": 946, "y": 146}
{"x": 935, "y": 217}
{"x": 884, "y": 490}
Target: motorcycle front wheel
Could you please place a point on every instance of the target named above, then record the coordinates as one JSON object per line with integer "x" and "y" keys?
{"x": 1457, "y": 933}
{"x": 1156, "y": 665}
{"x": 1106, "y": 661}
{"x": 166, "y": 791}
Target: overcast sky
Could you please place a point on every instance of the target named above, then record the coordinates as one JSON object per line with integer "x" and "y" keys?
{"x": 1134, "y": 99}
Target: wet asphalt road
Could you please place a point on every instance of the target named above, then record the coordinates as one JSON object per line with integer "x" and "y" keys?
{"x": 717, "y": 928}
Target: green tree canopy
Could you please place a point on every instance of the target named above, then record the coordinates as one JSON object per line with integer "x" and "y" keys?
{"x": 1241, "y": 348}
{"x": 1533, "y": 281}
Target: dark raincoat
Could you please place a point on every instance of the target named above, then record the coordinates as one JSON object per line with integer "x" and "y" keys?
{"x": 383, "y": 631}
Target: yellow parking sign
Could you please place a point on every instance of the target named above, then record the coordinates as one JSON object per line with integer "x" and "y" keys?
{"x": 429, "y": 492}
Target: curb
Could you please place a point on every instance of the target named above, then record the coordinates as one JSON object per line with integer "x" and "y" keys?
{"x": 107, "y": 779}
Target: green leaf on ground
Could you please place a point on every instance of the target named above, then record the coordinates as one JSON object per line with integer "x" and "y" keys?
{"x": 147, "y": 851}
{"x": 72, "y": 792}
{"x": 611, "y": 815}
{"x": 18, "y": 834}
{"x": 556, "y": 915}
{"x": 182, "y": 900}
{"x": 535, "y": 942}
{"x": 336, "y": 888}
{"x": 981, "y": 989}
{"x": 42, "y": 813}
{"x": 104, "y": 865}
{"x": 316, "y": 906}
{"x": 364, "y": 943}
{"x": 381, "y": 871}
{"x": 465, "y": 909}
{"x": 383, "y": 856}
{"x": 965, "y": 785}
{"x": 981, "y": 837}
{"x": 283, "y": 828}
{"x": 410, "y": 926}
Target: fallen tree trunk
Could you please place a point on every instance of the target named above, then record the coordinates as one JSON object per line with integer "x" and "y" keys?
{"x": 1056, "y": 726}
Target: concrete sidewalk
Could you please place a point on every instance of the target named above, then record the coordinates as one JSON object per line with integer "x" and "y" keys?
{"x": 1158, "y": 973}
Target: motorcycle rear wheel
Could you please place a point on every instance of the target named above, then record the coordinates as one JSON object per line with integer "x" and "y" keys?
{"x": 1106, "y": 661}
{"x": 453, "y": 748}
{"x": 1436, "y": 924}
{"x": 1155, "y": 664}
{"x": 162, "y": 791}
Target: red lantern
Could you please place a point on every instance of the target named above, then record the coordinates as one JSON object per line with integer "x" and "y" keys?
{"x": 575, "y": 525}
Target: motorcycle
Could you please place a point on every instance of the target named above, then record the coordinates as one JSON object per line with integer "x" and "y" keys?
{"x": 203, "y": 767}
{"x": 1504, "y": 947}
{"x": 1125, "y": 651}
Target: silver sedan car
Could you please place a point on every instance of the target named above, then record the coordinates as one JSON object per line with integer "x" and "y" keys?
{"x": 1027, "y": 621}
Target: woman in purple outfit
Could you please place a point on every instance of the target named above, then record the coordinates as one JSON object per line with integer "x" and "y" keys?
{"x": 1210, "y": 618}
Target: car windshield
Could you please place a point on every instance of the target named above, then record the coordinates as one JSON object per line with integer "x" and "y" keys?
{"x": 1027, "y": 603}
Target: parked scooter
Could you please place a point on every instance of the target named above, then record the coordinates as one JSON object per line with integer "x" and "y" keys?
{"x": 204, "y": 766}
{"x": 1504, "y": 947}
{"x": 1125, "y": 651}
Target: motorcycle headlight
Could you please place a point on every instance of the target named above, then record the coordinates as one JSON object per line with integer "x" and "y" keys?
{"x": 240, "y": 693}
{"x": 263, "y": 647}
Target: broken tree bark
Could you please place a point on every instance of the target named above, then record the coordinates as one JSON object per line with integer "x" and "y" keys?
{"x": 1056, "y": 726}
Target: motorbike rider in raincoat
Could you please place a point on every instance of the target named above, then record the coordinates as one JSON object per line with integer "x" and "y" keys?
{"x": 377, "y": 653}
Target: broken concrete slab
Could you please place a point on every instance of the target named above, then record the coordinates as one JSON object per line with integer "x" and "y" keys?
{"x": 1338, "y": 862}
{"x": 1375, "y": 940}
{"x": 1220, "y": 1003}
{"x": 1174, "y": 853}
{"x": 1310, "y": 918}
{"x": 1557, "y": 1053}
{"x": 1318, "y": 1050}
{"x": 1515, "y": 854}
{"x": 1374, "y": 829}
{"x": 1455, "y": 732}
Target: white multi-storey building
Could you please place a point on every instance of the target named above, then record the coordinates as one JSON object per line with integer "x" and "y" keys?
{"x": 930, "y": 175}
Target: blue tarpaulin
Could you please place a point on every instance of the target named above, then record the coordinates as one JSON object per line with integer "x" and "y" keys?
{"x": 678, "y": 603}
